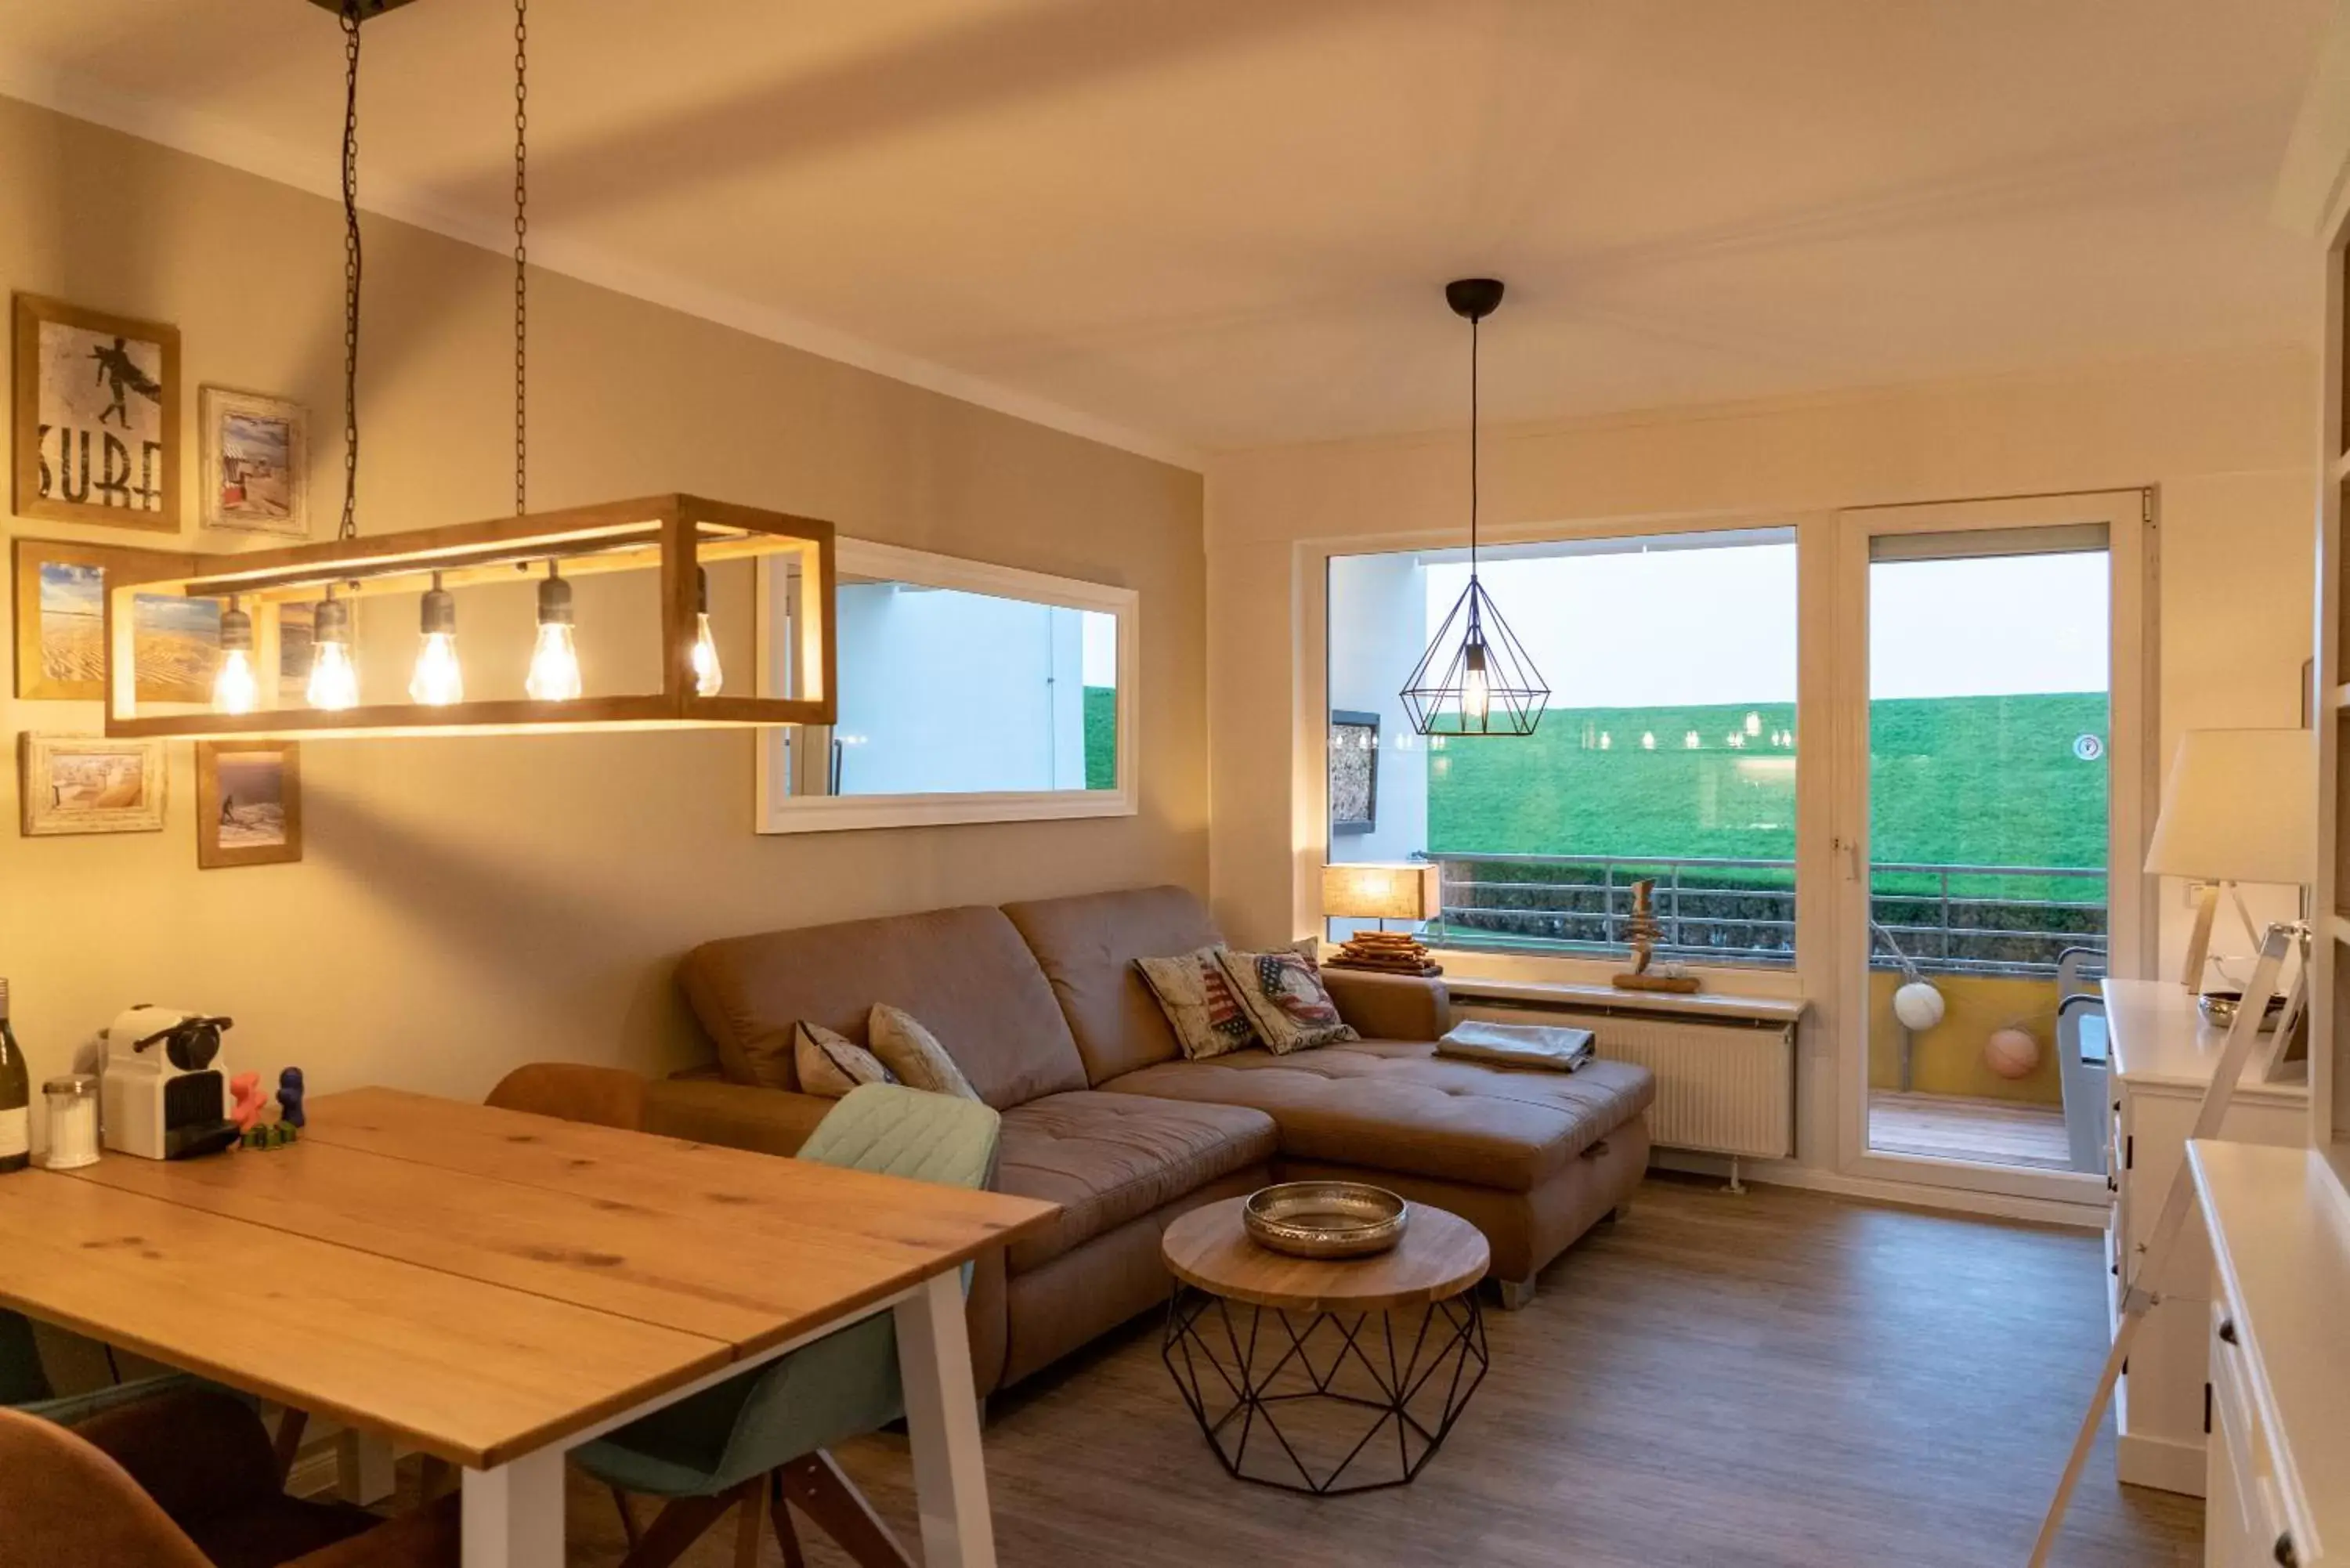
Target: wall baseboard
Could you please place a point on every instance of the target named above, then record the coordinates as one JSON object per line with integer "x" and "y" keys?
{"x": 1875, "y": 1190}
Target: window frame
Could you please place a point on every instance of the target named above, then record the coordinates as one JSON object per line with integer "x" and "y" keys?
{"x": 780, "y": 812}
{"x": 1310, "y": 835}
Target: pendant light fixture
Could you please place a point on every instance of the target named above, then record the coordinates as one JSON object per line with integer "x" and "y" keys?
{"x": 675, "y": 536}
{"x": 1475, "y": 678}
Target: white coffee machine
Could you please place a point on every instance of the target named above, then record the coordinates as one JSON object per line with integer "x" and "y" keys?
{"x": 164, "y": 1092}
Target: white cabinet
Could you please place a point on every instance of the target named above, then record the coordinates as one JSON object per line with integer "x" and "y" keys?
{"x": 2162, "y": 1056}
{"x": 2278, "y": 1472}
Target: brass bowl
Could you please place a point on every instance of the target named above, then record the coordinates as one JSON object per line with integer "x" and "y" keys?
{"x": 1325, "y": 1219}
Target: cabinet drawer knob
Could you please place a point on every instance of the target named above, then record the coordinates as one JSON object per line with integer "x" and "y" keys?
{"x": 2227, "y": 1331}
{"x": 2285, "y": 1554}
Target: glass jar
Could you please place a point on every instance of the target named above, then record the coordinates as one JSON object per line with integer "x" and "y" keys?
{"x": 73, "y": 1120}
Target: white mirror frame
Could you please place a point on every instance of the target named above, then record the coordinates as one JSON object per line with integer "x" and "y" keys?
{"x": 780, "y": 812}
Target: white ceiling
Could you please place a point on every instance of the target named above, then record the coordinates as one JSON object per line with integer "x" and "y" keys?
{"x": 1194, "y": 224}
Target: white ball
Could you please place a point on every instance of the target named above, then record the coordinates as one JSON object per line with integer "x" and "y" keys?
{"x": 2010, "y": 1052}
{"x": 1918, "y": 1005}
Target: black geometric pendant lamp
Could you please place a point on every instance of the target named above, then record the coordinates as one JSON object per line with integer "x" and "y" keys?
{"x": 1475, "y": 678}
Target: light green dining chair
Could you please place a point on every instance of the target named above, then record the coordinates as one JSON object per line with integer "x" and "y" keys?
{"x": 757, "y": 1442}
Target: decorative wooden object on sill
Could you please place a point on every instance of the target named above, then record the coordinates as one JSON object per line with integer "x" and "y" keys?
{"x": 1645, "y": 930}
{"x": 673, "y": 535}
{"x": 1383, "y": 892}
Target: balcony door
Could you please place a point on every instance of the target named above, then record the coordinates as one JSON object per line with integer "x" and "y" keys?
{"x": 1992, "y": 798}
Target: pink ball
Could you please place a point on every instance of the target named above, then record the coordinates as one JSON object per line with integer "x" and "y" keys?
{"x": 2010, "y": 1052}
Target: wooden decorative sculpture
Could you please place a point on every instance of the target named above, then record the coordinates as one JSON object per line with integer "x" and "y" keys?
{"x": 1645, "y": 932}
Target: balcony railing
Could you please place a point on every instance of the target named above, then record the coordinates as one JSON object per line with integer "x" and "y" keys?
{"x": 1996, "y": 919}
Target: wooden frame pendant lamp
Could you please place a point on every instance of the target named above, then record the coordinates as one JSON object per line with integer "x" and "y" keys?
{"x": 676, "y": 536}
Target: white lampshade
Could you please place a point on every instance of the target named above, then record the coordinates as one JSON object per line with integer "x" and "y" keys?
{"x": 1380, "y": 892}
{"x": 2239, "y": 806}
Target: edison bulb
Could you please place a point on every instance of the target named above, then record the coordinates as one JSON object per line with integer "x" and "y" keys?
{"x": 1476, "y": 690}
{"x": 438, "y": 681}
{"x": 554, "y": 664}
{"x": 334, "y": 678}
{"x": 709, "y": 679}
{"x": 235, "y": 689}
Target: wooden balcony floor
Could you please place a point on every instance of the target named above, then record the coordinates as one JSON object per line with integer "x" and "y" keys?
{"x": 1951, "y": 1127}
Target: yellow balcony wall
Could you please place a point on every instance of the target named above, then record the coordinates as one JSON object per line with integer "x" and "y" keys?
{"x": 1947, "y": 1059}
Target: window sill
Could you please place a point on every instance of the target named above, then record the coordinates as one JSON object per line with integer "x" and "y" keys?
{"x": 1588, "y": 995}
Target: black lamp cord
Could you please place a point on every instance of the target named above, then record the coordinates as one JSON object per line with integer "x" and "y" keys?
{"x": 351, "y": 263}
{"x": 521, "y": 252}
{"x": 1472, "y": 449}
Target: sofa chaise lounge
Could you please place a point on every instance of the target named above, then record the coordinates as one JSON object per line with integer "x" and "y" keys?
{"x": 1041, "y": 1006}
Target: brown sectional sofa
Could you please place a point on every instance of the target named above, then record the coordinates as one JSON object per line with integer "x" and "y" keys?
{"x": 1041, "y": 1006}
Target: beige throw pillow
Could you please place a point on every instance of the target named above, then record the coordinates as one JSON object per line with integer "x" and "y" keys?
{"x": 831, "y": 1065}
{"x": 914, "y": 1053}
{"x": 1285, "y": 997}
{"x": 1200, "y": 1003}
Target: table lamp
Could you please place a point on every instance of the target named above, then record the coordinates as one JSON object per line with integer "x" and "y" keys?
{"x": 1369, "y": 891}
{"x": 2238, "y": 805}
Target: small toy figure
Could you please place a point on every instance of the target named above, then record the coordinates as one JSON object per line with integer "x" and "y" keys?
{"x": 289, "y": 1099}
{"x": 245, "y": 1087}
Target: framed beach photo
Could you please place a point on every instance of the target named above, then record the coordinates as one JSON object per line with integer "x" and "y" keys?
{"x": 60, "y": 624}
{"x": 86, "y": 783}
{"x": 248, "y": 802}
{"x": 256, "y": 462}
{"x": 96, "y": 417}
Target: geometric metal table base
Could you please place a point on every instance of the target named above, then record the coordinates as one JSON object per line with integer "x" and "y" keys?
{"x": 1285, "y": 1406}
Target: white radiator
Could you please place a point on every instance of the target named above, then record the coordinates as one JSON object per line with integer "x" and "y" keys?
{"x": 1724, "y": 1088}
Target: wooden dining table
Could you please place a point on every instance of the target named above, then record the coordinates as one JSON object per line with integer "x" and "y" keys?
{"x": 494, "y": 1289}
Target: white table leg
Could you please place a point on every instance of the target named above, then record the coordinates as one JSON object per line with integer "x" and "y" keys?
{"x": 513, "y": 1514}
{"x": 363, "y": 1467}
{"x": 942, "y": 1419}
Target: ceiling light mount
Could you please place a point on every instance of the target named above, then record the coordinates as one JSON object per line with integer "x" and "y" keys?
{"x": 365, "y": 8}
{"x": 1473, "y": 298}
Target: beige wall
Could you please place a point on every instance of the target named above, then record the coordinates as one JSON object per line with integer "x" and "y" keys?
{"x": 466, "y": 905}
{"x": 2224, "y": 439}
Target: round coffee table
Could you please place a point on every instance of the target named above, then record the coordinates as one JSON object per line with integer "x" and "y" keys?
{"x": 1281, "y": 1358}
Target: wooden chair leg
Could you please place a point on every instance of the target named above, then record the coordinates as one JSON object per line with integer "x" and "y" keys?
{"x": 434, "y": 1477}
{"x": 780, "y": 1515}
{"x": 747, "y": 1521}
{"x": 832, "y": 1503}
{"x": 681, "y": 1522}
{"x": 628, "y": 1517}
{"x": 288, "y": 1443}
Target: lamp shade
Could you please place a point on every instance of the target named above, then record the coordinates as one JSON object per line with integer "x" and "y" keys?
{"x": 1380, "y": 892}
{"x": 2239, "y": 806}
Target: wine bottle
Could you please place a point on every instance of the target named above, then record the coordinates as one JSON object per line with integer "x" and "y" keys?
{"x": 15, "y": 1097}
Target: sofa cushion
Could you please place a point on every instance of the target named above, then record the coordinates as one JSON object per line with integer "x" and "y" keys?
{"x": 1108, "y": 1158}
{"x": 1087, "y": 946}
{"x": 1397, "y": 1105}
{"x": 1200, "y": 1005}
{"x": 964, "y": 972}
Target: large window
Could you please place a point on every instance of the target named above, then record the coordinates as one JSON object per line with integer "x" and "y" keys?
{"x": 1668, "y": 751}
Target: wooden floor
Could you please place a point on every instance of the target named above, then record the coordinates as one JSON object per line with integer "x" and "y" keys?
{"x": 1949, "y": 1126}
{"x": 1781, "y": 1379}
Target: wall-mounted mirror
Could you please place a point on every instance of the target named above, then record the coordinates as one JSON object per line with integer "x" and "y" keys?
{"x": 968, "y": 693}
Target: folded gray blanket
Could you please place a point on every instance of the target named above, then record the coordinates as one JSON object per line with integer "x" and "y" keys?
{"x": 1548, "y": 1046}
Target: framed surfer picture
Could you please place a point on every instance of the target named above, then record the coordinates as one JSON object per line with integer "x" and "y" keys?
{"x": 96, "y": 417}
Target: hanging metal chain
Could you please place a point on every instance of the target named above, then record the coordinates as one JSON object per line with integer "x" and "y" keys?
{"x": 522, "y": 254}
{"x": 351, "y": 260}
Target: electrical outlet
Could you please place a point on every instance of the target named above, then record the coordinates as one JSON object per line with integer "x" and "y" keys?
{"x": 2195, "y": 893}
